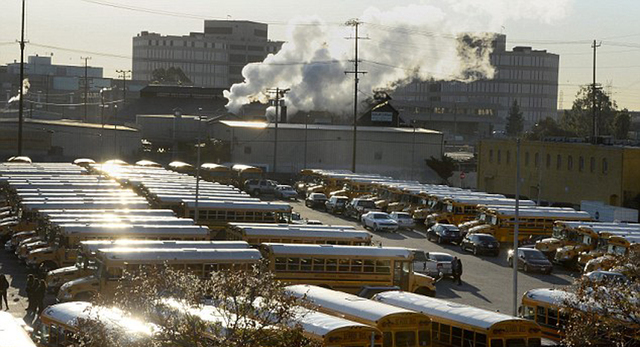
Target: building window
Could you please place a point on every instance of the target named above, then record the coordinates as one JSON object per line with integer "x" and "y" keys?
{"x": 499, "y": 156}
{"x": 570, "y": 163}
{"x": 581, "y": 164}
{"x": 491, "y": 155}
{"x": 592, "y": 165}
{"x": 247, "y": 149}
{"x": 605, "y": 166}
{"x": 526, "y": 159}
{"x": 377, "y": 155}
{"x": 559, "y": 162}
{"x": 508, "y": 157}
{"x": 548, "y": 161}
{"x": 536, "y": 160}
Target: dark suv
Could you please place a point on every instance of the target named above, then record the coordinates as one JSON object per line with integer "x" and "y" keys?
{"x": 358, "y": 206}
{"x": 336, "y": 204}
{"x": 444, "y": 233}
{"x": 531, "y": 259}
{"x": 480, "y": 243}
{"x": 315, "y": 200}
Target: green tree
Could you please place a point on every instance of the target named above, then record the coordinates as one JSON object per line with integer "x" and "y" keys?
{"x": 546, "y": 128}
{"x": 621, "y": 125}
{"x": 515, "y": 121}
{"x": 252, "y": 306}
{"x": 443, "y": 167}
{"x": 579, "y": 120}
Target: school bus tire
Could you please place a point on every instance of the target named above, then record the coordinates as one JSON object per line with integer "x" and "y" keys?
{"x": 426, "y": 292}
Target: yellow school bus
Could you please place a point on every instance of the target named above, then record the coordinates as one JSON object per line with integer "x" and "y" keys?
{"x": 298, "y": 233}
{"x": 346, "y": 268}
{"x": 400, "y": 327}
{"x": 216, "y": 173}
{"x": 616, "y": 245}
{"x": 111, "y": 264}
{"x": 217, "y": 213}
{"x": 591, "y": 242}
{"x": 454, "y": 324}
{"x": 565, "y": 233}
{"x": 182, "y": 167}
{"x": 243, "y": 172}
{"x": 12, "y": 333}
{"x": 58, "y": 324}
{"x": 533, "y": 221}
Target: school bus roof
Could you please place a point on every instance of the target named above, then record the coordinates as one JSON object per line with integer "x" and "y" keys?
{"x": 109, "y": 204}
{"x": 338, "y": 250}
{"x": 131, "y": 255}
{"x": 12, "y": 333}
{"x": 239, "y": 205}
{"x": 577, "y": 223}
{"x": 344, "y": 303}
{"x": 116, "y": 211}
{"x": 608, "y": 228}
{"x": 242, "y": 225}
{"x": 123, "y": 220}
{"x": 433, "y": 307}
{"x": 553, "y": 213}
{"x": 321, "y": 324}
{"x": 133, "y": 231}
{"x": 295, "y": 233}
{"x": 215, "y": 167}
{"x": 628, "y": 238}
{"x": 479, "y": 200}
{"x": 94, "y": 245}
{"x": 550, "y": 296}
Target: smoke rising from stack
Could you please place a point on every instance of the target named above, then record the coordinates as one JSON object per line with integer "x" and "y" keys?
{"x": 449, "y": 40}
{"x": 25, "y": 89}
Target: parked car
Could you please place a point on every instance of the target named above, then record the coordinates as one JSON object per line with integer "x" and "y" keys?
{"x": 434, "y": 264}
{"x": 379, "y": 221}
{"x": 259, "y": 187}
{"x": 606, "y": 276}
{"x": 531, "y": 259}
{"x": 480, "y": 243}
{"x": 285, "y": 192}
{"x": 359, "y": 206}
{"x": 444, "y": 233}
{"x": 336, "y": 204}
{"x": 315, "y": 200}
{"x": 404, "y": 219}
{"x": 313, "y": 222}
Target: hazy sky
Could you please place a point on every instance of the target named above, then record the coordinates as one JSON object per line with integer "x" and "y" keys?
{"x": 73, "y": 28}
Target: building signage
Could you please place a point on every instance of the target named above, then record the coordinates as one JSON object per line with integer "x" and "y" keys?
{"x": 381, "y": 116}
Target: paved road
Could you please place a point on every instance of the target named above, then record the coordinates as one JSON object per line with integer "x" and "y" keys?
{"x": 487, "y": 280}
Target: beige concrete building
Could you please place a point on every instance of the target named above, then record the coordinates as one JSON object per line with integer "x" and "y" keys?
{"x": 397, "y": 152}
{"x": 562, "y": 172}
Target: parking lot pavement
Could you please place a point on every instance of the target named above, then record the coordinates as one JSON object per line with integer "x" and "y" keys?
{"x": 486, "y": 280}
{"x": 16, "y": 273}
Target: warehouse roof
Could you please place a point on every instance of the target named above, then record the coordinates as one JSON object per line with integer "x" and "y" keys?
{"x": 300, "y": 126}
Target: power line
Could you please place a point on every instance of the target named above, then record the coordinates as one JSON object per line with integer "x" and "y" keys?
{"x": 72, "y": 50}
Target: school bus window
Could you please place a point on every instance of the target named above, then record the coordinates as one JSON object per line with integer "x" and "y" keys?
{"x": 331, "y": 264}
{"x": 496, "y": 343}
{"x": 424, "y": 338}
{"x": 529, "y": 313}
{"x": 535, "y": 342}
{"x": 209, "y": 268}
{"x": 383, "y": 266}
{"x": 445, "y": 333}
{"x": 195, "y": 269}
{"x": 541, "y": 315}
{"x": 435, "y": 331}
{"x": 318, "y": 264}
{"x": 114, "y": 273}
{"x": 369, "y": 265}
{"x": 405, "y": 338}
{"x": 343, "y": 265}
{"x": 305, "y": 264}
{"x": 356, "y": 265}
{"x": 456, "y": 336}
{"x": 552, "y": 316}
{"x": 293, "y": 264}
{"x": 481, "y": 340}
{"x": 387, "y": 339}
{"x": 53, "y": 335}
{"x": 468, "y": 338}
{"x": 281, "y": 264}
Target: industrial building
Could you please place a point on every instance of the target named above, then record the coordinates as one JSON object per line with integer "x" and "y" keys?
{"x": 562, "y": 171}
{"x": 475, "y": 109}
{"x": 213, "y": 58}
{"x": 398, "y": 152}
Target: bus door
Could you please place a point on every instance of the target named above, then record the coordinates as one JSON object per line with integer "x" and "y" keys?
{"x": 401, "y": 274}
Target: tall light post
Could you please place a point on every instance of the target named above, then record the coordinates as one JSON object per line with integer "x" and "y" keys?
{"x": 515, "y": 232}
{"x": 21, "y": 92}
{"x": 102, "y": 106}
{"x": 306, "y": 126}
{"x": 196, "y": 209}
{"x": 413, "y": 150}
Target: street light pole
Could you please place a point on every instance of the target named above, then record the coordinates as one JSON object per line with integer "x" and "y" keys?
{"x": 413, "y": 150}
{"x": 306, "y": 125}
{"x": 196, "y": 207}
{"x": 21, "y": 85}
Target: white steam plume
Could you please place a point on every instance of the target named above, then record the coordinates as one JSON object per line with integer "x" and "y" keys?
{"x": 25, "y": 89}
{"x": 405, "y": 43}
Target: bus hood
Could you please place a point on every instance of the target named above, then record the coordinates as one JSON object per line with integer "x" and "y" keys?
{"x": 63, "y": 271}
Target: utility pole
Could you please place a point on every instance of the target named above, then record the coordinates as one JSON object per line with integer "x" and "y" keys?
{"x": 21, "y": 92}
{"x": 123, "y": 74}
{"x": 594, "y": 88}
{"x": 86, "y": 85}
{"x": 355, "y": 23}
{"x": 279, "y": 93}
{"x": 514, "y": 257}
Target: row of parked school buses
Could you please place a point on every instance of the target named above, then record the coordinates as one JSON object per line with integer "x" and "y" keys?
{"x": 79, "y": 212}
{"x": 565, "y": 235}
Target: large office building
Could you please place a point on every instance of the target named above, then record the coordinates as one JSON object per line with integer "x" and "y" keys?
{"x": 213, "y": 58}
{"x": 522, "y": 74}
{"x": 565, "y": 172}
